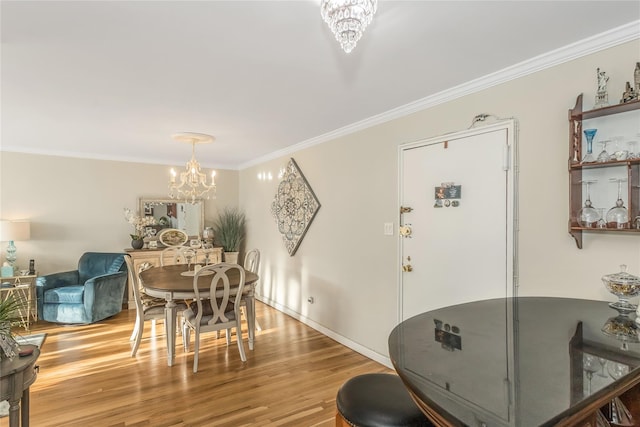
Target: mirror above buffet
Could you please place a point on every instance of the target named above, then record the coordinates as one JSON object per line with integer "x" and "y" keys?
{"x": 173, "y": 214}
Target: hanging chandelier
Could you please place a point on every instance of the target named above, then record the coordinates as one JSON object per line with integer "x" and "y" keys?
{"x": 193, "y": 182}
{"x": 348, "y": 19}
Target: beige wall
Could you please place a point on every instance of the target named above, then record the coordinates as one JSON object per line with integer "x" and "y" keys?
{"x": 345, "y": 262}
{"x": 76, "y": 205}
{"x": 351, "y": 269}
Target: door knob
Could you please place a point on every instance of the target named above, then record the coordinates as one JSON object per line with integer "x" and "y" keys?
{"x": 405, "y": 230}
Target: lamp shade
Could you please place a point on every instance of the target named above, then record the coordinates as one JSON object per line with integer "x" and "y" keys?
{"x": 15, "y": 230}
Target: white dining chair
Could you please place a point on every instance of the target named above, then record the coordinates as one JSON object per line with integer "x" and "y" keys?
{"x": 175, "y": 254}
{"x": 147, "y": 307}
{"x": 216, "y": 313}
{"x": 252, "y": 264}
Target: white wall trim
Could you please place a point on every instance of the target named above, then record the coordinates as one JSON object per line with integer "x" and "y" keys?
{"x": 367, "y": 352}
{"x": 98, "y": 156}
{"x": 598, "y": 42}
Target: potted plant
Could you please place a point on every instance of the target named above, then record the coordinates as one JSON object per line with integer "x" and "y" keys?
{"x": 8, "y": 344}
{"x": 229, "y": 229}
{"x": 140, "y": 223}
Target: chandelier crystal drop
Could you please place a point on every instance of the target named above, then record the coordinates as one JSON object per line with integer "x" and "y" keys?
{"x": 348, "y": 19}
{"x": 192, "y": 184}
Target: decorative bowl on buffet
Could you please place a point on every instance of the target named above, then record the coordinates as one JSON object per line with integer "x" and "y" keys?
{"x": 624, "y": 286}
{"x": 173, "y": 237}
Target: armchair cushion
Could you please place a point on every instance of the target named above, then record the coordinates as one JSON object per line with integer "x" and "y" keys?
{"x": 89, "y": 294}
{"x": 65, "y": 294}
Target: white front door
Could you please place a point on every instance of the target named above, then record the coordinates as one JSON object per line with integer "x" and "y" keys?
{"x": 460, "y": 191}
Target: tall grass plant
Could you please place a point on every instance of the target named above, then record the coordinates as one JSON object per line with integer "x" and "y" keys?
{"x": 229, "y": 229}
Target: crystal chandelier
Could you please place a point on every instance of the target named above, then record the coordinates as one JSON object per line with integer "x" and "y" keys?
{"x": 193, "y": 182}
{"x": 348, "y": 19}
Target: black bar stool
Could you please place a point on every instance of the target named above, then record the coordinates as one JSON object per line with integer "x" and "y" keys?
{"x": 377, "y": 400}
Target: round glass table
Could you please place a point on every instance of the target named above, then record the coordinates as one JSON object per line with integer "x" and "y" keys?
{"x": 525, "y": 361}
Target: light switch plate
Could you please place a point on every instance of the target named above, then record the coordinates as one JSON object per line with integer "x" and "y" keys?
{"x": 388, "y": 229}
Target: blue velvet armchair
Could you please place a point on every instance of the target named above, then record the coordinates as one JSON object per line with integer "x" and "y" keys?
{"x": 89, "y": 294}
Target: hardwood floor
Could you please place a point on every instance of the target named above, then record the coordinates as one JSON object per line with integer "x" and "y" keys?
{"x": 87, "y": 377}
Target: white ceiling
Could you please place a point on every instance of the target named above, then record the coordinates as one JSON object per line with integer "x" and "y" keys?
{"x": 115, "y": 79}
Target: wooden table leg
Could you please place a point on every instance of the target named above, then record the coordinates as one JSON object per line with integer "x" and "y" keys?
{"x": 24, "y": 408}
{"x": 14, "y": 416}
{"x": 170, "y": 330}
{"x": 251, "y": 318}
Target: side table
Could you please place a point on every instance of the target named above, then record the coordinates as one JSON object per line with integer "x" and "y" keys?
{"x": 16, "y": 376}
{"x": 22, "y": 288}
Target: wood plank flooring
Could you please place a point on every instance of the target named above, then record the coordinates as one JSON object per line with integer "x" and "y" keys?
{"x": 87, "y": 377}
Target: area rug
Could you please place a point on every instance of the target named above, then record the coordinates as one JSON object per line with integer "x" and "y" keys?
{"x": 34, "y": 339}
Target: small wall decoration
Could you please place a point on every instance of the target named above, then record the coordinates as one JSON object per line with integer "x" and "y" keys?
{"x": 294, "y": 207}
{"x": 447, "y": 194}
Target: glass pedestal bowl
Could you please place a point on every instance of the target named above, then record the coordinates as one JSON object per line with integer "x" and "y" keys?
{"x": 624, "y": 286}
{"x": 623, "y": 329}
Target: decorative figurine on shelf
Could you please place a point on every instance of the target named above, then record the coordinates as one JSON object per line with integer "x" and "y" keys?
{"x": 629, "y": 94}
{"x": 602, "y": 97}
{"x": 636, "y": 79}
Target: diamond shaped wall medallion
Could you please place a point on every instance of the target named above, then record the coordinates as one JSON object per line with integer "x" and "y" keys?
{"x": 294, "y": 207}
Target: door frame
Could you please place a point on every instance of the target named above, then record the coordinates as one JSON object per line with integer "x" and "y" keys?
{"x": 510, "y": 161}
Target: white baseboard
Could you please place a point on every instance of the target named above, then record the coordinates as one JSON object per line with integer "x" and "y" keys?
{"x": 367, "y": 352}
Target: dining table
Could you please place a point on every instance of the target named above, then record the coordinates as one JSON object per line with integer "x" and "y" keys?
{"x": 175, "y": 282}
{"x": 520, "y": 362}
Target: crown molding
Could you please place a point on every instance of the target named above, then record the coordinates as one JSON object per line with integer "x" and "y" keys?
{"x": 121, "y": 158}
{"x": 593, "y": 44}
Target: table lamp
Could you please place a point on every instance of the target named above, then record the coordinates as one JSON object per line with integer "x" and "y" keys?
{"x": 11, "y": 231}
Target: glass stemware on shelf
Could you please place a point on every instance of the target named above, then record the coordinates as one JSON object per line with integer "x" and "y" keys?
{"x": 588, "y": 216}
{"x": 620, "y": 149}
{"x": 603, "y": 365}
{"x": 618, "y": 215}
{"x": 602, "y": 223}
{"x": 589, "y": 134}
{"x": 603, "y": 156}
{"x": 590, "y": 367}
{"x": 633, "y": 149}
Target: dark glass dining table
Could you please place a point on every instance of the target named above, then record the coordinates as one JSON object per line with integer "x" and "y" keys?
{"x": 523, "y": 361}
